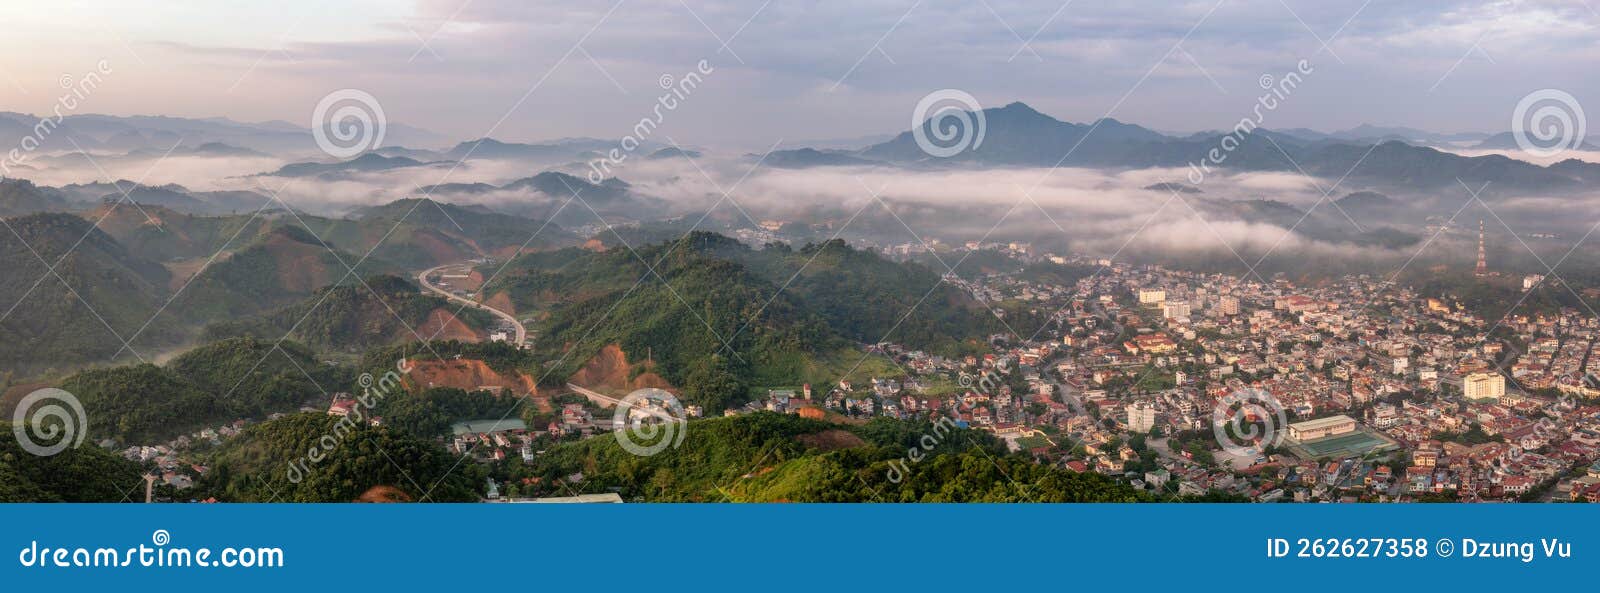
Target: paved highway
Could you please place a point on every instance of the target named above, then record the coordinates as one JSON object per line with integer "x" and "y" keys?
{"x": 422, "y": 278}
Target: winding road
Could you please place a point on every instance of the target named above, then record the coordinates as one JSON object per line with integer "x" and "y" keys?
{"x": 422, "y": 278}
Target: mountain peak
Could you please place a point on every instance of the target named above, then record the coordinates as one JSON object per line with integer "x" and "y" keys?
{"x": 1019, "y": 107}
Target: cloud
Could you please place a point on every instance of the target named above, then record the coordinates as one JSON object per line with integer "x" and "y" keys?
{"x": 542, "y": 69}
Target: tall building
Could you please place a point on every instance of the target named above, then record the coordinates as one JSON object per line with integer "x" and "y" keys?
{"x": 1229, "y": 305}
{"x": 1175, "y": 309}
{"x": 1141, "y": 417}
{"x": 1152, "y": 296}
{"x": 1483, "y": 261}
{"x": 1483, "y": 386}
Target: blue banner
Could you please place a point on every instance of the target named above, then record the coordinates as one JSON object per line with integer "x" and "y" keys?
{"x": 792, "y": 547}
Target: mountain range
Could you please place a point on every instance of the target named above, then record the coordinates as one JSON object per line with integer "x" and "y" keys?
{"x": 217, "y": 136}
{"x": 1018, "y": 135}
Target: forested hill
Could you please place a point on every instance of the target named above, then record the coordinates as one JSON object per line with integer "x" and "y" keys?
{"x": 205, "y": 387}
{"x": 282, "y": 266}
{"x": 365, "y": 461}
{"x": 70, "y": 291}
{"x": 767, "y": 457}
{"x": 76, "y": 474}
{"x": 716, "y": 316}
{"x": 352, "y": 318}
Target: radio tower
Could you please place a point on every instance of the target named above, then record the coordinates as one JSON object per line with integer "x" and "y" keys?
{"x": 1483, "y": 262}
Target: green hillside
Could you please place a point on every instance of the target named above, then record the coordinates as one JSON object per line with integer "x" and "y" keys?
{"x": 83, "y": 474}
{"x": 254, "y": 467}
{"x": 720, "y": 323}
{"x": 205, "y": 387}
{"x": 768, "y": 457}
{"x": 421, "y": 233}
{"x": 351, "y": 318}
{"x": 277, "y": 269}
{"x": 74, "y": 315}
{"x": 20, "y": 197}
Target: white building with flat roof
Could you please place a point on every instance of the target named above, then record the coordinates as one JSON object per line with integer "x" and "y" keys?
{"x": 1483, "y": 386}
{"x": 1321, "y": 427}
{"x": 1141, "y": 417}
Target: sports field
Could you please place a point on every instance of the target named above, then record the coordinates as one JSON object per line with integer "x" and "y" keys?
{"x": 1352, "y": 444}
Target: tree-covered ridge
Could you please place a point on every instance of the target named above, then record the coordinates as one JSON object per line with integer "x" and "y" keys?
{"x": 354, "y": 317}
{"x": 869, "y": 299}
{"x": 163, "y": 234}
{"x": 429, "y": 413}
{"x": 419, "y": 233}
{"x": 20, "y": 197}
{"x": 207, "y": 386}
{"x": 722, "y": 316}
{"x": 854, "y": 291}
{"x": 73, "y": 312}
{"x": 698, "y": 323}
{"x": 279, "y": 268}
{"x": 76, "y": 474}
{"x": 772, "y": 457}
{"x": 255, "y": 466}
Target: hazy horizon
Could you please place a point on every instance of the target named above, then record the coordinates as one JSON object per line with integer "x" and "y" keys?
{"x": 469, "y": 69}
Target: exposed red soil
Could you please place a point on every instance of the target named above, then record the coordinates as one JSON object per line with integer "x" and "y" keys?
{"x": 383, "y": 494}
{"x": 472, "y": 282}
{"x": 472, "y": 375}
{"x": 8, "y": 401}
{"x": 443, "y": 325}
{"x": 829, "y": 440}
{"x": 440, "y": 248}
{"x": 502, "y": 301}
{"x": 609, "y": 370}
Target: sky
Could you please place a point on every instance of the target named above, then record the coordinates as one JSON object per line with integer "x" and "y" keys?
{"x": 791, "y": 71}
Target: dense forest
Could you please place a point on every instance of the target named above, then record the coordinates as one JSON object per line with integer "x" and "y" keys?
{"x": 83, "y": 474}
{"x": 256, "y": 465}
{"x": 207, "y": 386}
{"x": 773, "y": 457}
{"x": 716, "y": 316}
{"x": 68, "y": 287}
